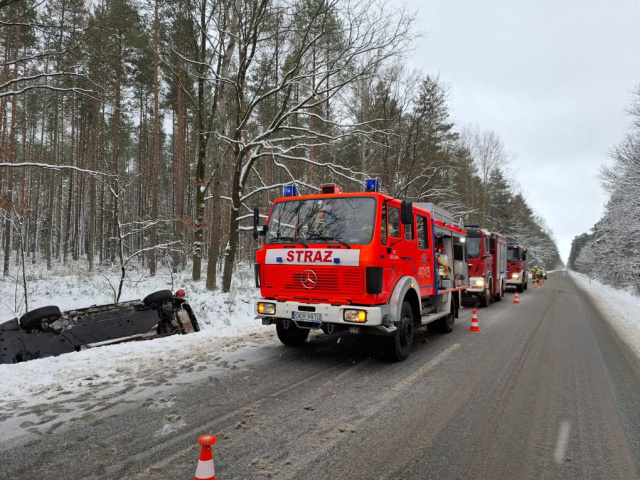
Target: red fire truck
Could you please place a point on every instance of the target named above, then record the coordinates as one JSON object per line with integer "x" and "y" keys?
{"x": 517, "y": 271}
{"x": 363, "y": 262}
{"x": 487, "y": 252}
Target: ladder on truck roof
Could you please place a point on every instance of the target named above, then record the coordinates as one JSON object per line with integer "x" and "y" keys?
{"x": 438, "y": 213}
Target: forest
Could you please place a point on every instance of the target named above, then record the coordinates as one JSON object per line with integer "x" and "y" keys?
{"x": 141, "y": 134}
{"x": 610, "y": 252}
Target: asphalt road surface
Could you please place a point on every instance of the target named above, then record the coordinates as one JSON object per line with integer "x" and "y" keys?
{"x": 546, "y": 390}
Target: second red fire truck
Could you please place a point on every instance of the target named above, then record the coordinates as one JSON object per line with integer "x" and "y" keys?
{"x": 487, "y": 252}
{"x": 517, "y": 271}
{"x": 363, "y": 262}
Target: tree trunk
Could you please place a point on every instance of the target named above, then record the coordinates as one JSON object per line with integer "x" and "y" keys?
{"x": 202, "y": 153}
{"x": 156, "y": 149}
{"x": 232, "y": 246}
{"x": 179, "y": 169}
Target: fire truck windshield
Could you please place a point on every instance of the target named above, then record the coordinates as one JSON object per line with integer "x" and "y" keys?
{"x": 512, "y": 255}
{"x": 346, "y": 220}
{"x": 473, "y": 247}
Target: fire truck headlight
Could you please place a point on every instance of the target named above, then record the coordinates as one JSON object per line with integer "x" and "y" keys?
{"x": 515, "y": 276}
{"x": 478, "y": 283}
{"x": 356, "y": 316}
{"x": 267, "y": 308}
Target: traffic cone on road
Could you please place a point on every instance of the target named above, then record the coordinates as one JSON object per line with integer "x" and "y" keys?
{"x": 205, "y": 469}
{"x": 535, "y": 285}
{"x": 516, "y": 299}
{"x": 474, "y": 322}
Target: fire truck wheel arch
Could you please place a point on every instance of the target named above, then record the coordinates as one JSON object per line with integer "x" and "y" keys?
{"x": 405, "y": 289}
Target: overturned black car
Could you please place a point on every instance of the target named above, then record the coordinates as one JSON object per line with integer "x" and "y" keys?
{"x": 46, "y": 331}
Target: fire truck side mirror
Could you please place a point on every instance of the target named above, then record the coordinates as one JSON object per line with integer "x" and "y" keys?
{"x": 406, "y": 212}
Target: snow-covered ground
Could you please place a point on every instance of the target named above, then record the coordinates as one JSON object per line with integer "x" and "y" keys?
{"x": 619, "y": 307}
{"x": 75, "y": 288}
{"x": 227, "y": 322}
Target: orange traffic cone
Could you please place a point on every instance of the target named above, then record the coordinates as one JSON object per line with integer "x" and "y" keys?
{"x": 535, "y": 285}
{"x": 205, "y": 469}
{"x": 516, "y": 299}
{"x": 474, "y": 322}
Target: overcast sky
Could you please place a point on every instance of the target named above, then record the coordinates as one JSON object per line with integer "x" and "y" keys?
{"x": 552, "y": 78}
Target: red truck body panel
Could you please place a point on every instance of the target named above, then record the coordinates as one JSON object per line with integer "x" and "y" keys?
{"x": 341, "y": 273}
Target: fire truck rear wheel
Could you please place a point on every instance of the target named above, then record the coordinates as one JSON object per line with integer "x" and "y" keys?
{"x": 399, "y": 345}
{"x": 445, "y": 324}
{"x": 498, "y": 295}
{"x": 290, "y": 334}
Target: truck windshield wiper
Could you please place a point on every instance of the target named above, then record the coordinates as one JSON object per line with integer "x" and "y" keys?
{"x": 316, "y": 236}
{"x": 291, "y": 240}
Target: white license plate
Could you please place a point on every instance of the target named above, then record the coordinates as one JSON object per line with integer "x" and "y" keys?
{"x": 307, "y": 317}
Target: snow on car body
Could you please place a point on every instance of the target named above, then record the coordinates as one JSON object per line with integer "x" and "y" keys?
{"x": 363, "y": 262}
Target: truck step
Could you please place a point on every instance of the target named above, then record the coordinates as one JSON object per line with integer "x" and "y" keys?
{"x": 430, "y": 317}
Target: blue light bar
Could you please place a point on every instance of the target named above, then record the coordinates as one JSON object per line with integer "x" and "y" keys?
{"x": 372, "y": 185}
{"x": 290, "y": 191}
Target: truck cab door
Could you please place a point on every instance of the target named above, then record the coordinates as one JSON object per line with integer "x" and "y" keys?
{"x": 424, "y": 256}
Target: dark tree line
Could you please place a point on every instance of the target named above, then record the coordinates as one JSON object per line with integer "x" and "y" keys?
{"x": 143, "y": 133}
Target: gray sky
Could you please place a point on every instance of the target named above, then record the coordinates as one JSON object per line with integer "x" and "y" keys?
{"x": 552, "y": 78}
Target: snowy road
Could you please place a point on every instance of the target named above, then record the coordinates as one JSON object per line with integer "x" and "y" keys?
{"x": 545, "y": 391}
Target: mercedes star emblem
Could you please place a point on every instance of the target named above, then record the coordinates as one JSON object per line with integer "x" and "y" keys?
{"x": 309, "y": 279}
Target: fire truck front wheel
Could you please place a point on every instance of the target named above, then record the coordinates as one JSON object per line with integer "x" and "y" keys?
{"x": 485, "y": 298}
{"x": 290, "y": 334}
{"x": 399, "y": 345}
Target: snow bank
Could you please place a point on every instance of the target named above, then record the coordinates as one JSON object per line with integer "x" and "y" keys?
{"x": 226, "y": 313}
{"x": 110, "y": 367}
{"x": 619, "y": 307}
{"x": 227, "y": 322}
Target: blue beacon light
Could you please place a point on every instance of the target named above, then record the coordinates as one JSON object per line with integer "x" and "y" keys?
{"x": 290, "y": 191}
{"x": 372, "y": 185}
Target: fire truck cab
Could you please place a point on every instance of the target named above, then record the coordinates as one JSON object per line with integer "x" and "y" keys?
{"x": 487, "y": 252}
{"x": 517, "y": 270}
{"x": 363, "y": 262}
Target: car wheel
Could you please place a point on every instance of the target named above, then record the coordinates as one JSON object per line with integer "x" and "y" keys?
{"x": 34, "y": 319}
{"x": 158, "y": 297}
{"x": 290, "y": 334}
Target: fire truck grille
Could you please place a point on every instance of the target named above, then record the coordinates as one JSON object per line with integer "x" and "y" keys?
{"x": 330, "y": 281}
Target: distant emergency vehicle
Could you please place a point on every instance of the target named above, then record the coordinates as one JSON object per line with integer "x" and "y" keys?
{"x": 487, "y": 252}
{"x": 363, "y": 262}
{"x": 517, "y": 270}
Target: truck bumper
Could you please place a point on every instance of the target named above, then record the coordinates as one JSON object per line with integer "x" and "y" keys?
{"x": 514, "y": 282}
{"x": 334, "y": 314}
{"x": 474, "y": 290}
